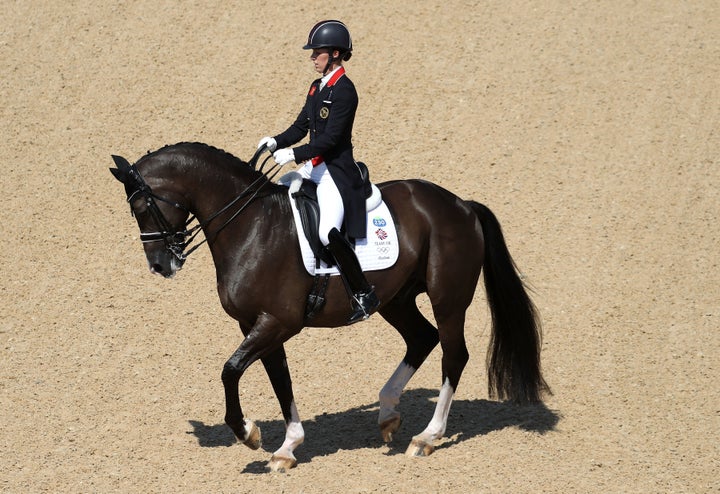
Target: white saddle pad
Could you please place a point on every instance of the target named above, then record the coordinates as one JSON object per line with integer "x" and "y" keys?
{"x": 378, "y": 250}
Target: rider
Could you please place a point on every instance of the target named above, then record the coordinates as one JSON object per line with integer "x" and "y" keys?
{"x": 327, "y": 159}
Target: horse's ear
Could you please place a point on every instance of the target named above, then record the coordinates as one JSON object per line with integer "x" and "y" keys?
{"x": 122, "y": 172}
{"x": 119, "y": 174}
{"x": 121, "y": 163}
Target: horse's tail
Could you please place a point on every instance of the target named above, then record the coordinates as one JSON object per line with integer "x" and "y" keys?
{"x": 513, "y": 359}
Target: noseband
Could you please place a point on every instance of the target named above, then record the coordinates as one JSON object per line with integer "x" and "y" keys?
{"x": 177, "y": 240}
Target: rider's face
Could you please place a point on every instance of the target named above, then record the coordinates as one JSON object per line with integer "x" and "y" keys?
{"x": 320, "y": 58}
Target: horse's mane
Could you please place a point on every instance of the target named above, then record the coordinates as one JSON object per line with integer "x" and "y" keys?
{"x": 231, "y": 163}
{"x": 200, "y": 145}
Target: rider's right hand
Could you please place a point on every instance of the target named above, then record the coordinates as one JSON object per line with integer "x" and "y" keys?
{"x": 269, "y": 142}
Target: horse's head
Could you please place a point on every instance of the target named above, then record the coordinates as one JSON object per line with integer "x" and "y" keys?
{"x": 161, "y": 218}
{"x": 165, "y": 185}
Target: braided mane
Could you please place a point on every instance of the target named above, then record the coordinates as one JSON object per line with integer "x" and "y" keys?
{"x": 229, "y": 162}
{"x": 169, "y": 147}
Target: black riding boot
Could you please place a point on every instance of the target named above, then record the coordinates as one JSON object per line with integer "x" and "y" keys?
{"x": 362, "y": 294}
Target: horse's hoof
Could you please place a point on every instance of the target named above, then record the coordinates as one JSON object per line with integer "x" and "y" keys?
{"x": 254, "y": 437}
{"x": 418, "y": 447}
{"x": 389, "y": 427}
{"x": 281, "y": 463}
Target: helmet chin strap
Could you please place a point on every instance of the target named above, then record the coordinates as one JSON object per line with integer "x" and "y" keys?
{"x": 331, "y": 60}
{"x": 329, "y": 65}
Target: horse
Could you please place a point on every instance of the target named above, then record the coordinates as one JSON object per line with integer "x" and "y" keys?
{"x": 445, "y": 243}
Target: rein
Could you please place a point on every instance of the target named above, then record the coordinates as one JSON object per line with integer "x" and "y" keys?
{"x": 177, "y": 241}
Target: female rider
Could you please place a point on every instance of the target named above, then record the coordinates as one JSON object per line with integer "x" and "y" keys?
{"x": 327, "y": 159}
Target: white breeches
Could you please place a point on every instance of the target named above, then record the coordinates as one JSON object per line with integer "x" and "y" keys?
{"x": 330, "y": 202}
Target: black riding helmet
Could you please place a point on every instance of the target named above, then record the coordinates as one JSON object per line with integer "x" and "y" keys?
{"x": 333, "y": 35}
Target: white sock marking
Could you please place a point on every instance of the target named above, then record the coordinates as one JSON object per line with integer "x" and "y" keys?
{"x": 390, "y": 393}
{"x": 436, "y": 427}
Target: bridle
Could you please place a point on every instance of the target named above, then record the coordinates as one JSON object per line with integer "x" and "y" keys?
{"x": 177, "y": 240}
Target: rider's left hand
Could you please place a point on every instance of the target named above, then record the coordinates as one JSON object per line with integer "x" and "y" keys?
{"x": 284, "y": 156}
{"x": 269, "y": 142}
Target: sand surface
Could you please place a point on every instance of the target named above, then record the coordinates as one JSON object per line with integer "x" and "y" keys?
{"x": 590, "y": 128}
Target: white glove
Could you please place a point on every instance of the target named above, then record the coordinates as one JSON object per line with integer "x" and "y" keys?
{"x": 270, "y": 142}
{"x": 284, "y": 156}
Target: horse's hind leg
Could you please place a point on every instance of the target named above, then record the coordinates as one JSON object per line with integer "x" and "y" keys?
{"x": 420, "y": 337}
{"x": 455, "y": 356}
{"x": 390, "y": 419}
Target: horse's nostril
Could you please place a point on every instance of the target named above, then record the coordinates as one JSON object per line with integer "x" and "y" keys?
{"x": 156, "y": 268}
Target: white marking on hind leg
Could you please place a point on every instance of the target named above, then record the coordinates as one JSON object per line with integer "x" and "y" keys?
{"x": 436, "y": 427}
{"x": 390, "y": 393}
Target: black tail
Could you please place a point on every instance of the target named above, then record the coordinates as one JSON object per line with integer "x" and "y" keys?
{"x": 513, "y": 359}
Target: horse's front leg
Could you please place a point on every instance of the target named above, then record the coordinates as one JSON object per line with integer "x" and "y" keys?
{"x": 245, "y": 430}
{"x": 266, "y": 336}
{"x": 277, "y": 370}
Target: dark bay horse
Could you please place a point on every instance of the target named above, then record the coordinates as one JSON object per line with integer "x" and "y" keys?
{"x": 445, "y": 243}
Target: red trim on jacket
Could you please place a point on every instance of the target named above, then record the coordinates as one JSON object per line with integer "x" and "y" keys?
{"x": 337, "y": 75}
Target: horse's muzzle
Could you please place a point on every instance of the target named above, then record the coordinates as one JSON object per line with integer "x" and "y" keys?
{"x": 164, "y": 264}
